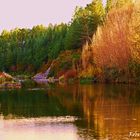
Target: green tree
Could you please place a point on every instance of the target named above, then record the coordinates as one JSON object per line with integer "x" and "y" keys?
{"x": 84, "y": 24}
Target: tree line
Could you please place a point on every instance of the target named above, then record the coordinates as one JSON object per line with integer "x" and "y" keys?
{"x": 115, "y": 48}
{"x": 27, "y": 49}
{"x": 108, "y": 38}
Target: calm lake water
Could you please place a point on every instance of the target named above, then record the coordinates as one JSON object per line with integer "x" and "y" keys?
{"x": 70, "y": 112}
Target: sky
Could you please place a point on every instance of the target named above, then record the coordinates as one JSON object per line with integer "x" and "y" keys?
{"x": 28, "y": 13}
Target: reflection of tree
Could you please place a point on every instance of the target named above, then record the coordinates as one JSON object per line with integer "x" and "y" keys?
{"x": 103, "y": 109}
{"x": 69, "y": 98}
{"x": 107, "y": 109}
{"x": 29, "y": 104}
{"x": 110, "y": 109}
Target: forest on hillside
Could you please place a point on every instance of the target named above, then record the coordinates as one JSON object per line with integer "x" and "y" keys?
{"x": 100, "y": 42}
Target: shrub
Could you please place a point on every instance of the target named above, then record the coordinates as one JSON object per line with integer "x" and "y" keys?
{"x": 111, "y": 46}
{"x": 70, "y": 74}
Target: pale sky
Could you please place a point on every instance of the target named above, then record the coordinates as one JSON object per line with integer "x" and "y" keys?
{"x": 27, "y": 13}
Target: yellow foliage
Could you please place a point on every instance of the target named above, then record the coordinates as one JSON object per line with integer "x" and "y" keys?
{"x": 62, "y": 78}
{"x": 116, "y": 43}
{"x": 135, "y": 34}
{"x": 90, "y": 71}
{"x": 87, "y": 56}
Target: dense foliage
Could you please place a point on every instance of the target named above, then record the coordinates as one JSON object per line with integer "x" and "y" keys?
{"x": 108, "y": 35}
{"x": 27, "y": 49}
{"x": 24, "y": 50}
{"x": 84, "y": 23}
{"x": 115, "y": 46}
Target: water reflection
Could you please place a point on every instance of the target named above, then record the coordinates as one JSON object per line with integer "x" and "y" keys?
{"x": 109, "y": 111}
{"x": 76, "y": 112}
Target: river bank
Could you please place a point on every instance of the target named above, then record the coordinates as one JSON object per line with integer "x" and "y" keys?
{"x": 68, "y": 68}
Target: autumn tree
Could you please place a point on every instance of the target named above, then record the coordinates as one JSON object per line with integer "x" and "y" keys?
{"x": 135, "y": 34}
{"x": 116, "y": 4}
{"x": 134, "y": 38}
{"x": 111, "y": 47}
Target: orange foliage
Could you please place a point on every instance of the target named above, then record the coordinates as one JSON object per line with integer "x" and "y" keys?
{"x": 115, "y": 47}
{"x": 61, "y": 73}
{"x": 70, "y": 74}
{"x": 87, "y": 56}
{"x": 90, "y": 71}
{"x": 111, "y": 46}
{"x": 135, "y": 34}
